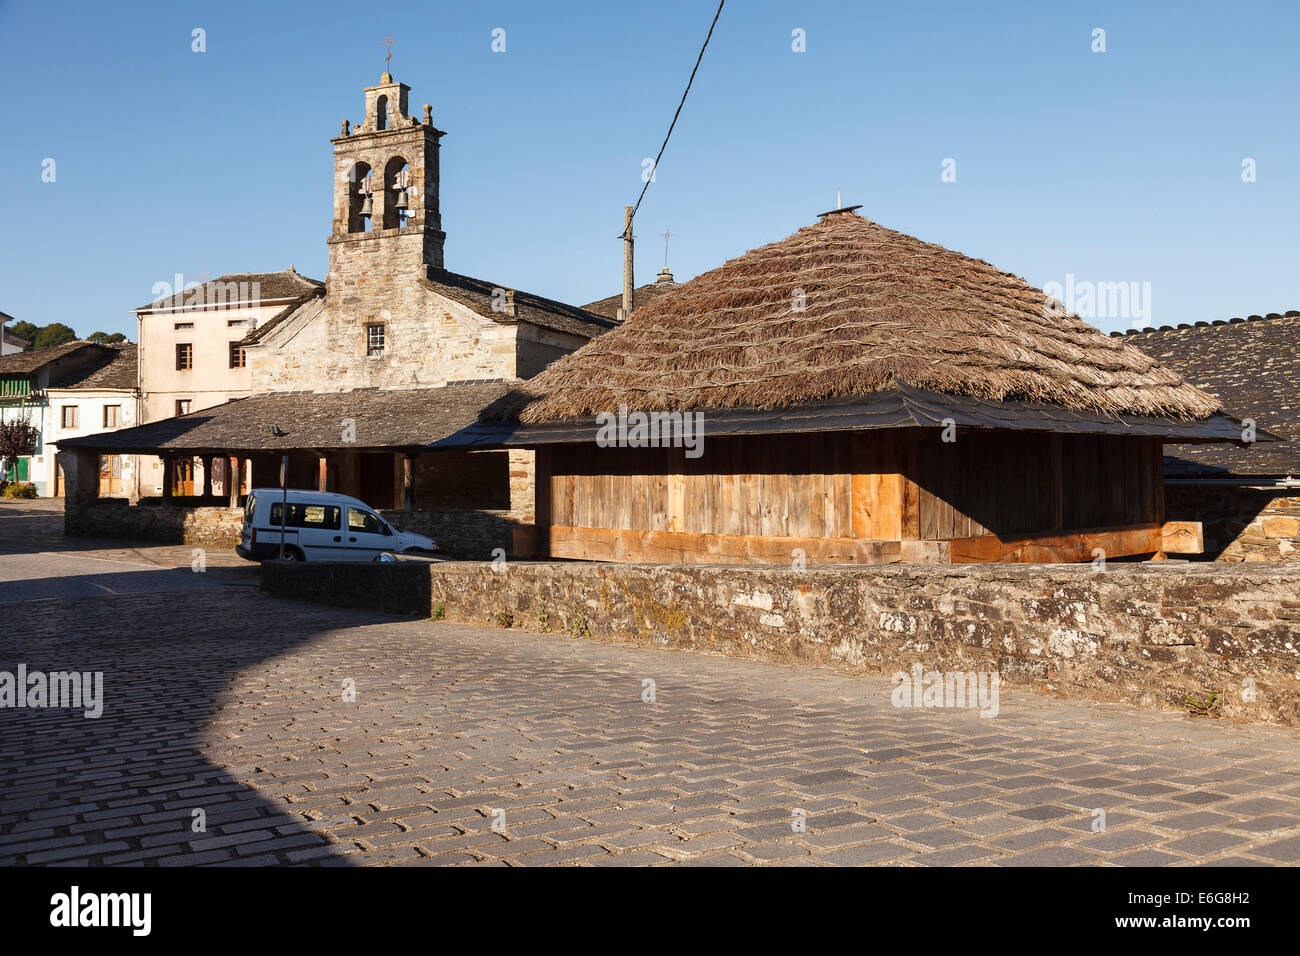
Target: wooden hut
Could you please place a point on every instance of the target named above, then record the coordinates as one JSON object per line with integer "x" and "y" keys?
{"x": 865, "y": 397}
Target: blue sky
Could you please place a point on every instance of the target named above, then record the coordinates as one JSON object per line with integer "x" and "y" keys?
{"x": 1122, "y": 166}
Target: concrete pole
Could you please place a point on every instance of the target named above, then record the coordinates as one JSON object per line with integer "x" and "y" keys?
{"x": 628, "y": 303}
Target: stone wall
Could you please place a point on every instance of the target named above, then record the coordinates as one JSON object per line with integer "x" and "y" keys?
{"x": 1241, "y": 524}
{"x": 466, "y": 535}
{"x": 1145, "y": 634}
{"x": 115, "y": 518}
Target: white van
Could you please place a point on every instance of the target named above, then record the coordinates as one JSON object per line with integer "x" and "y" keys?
{"x": 322, "y": 526}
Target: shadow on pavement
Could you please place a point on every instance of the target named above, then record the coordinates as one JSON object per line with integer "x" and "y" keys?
{"x": 122, "y": 788}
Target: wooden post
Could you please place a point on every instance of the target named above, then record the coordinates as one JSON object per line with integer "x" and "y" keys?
{"x": 542, "y": 500}
{"x": 628, "y": 304}
{"x": 322, "y": 473}
{"x": 206, "y": 491}
{"x": 169, "y": 475}
{"x": 408, "y": 482}
{"x": 234, "y": 472}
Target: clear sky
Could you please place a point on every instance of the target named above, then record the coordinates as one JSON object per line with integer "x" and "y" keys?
{"x": 1117, "y": 167}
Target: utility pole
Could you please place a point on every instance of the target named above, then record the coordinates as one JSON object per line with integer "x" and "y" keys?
{"x": 628, "y": 304}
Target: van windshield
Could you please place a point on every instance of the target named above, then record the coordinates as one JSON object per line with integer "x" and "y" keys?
{"x": 248, "y": 509}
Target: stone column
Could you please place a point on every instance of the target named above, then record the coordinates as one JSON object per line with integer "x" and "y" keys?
{"x": 169, "y": 476}
{"x": 205, "y": 492}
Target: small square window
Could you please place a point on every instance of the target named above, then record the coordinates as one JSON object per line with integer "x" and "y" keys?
{"x": 374, "y": 340}
{"x": 183, "y": 406}
{"x": 112, "y": 415}
{"x": 236, "y": 323}
{"x": 182, "y": 325}
{"x": 237, "y": 359}
{"x": 184, "y": 357}
{"x": 69, "y": 416}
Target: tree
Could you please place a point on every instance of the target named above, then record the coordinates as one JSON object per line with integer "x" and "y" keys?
{"x": 25, "y": 330}
{"x": 56, "y": 333}
{"x": 106, "y": 338}
{"x": 17, "y": 438}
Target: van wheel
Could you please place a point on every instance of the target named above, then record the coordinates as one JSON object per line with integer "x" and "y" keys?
{"x": 293, "y": 554}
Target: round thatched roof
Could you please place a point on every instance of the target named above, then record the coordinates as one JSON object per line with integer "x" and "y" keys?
{"x": 844, "y": 308}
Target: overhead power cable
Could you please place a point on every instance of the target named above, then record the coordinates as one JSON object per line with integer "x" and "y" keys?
{"x": 623, "y": 235}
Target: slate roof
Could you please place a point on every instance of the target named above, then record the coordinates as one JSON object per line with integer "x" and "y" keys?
{"x": 477, "y": 294}
{"x": 24, "y": 363}
{"x": 1253, "y": 367}
{"x": 610, "y": 306}
{"x": 897, "y": 407}
{"x": 384, "y": 418}
{"x": 119, "y": 372}
{"x": 286, "y": 284}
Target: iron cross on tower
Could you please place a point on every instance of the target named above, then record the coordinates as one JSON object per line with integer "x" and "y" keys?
{"x": 388, "y": 44}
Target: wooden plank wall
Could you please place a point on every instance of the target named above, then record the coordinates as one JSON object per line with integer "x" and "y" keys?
{"x": 895, "y": 485}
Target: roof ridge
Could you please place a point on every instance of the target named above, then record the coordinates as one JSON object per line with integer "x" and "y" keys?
{"x": 1203, "y": 324}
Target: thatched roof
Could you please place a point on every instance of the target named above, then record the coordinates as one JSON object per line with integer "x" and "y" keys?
{"x": 880, "y": 309}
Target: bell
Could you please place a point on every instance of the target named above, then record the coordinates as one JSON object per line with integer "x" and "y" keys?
{"x": 401, "y": 201}
{"x": 367, "y": 207}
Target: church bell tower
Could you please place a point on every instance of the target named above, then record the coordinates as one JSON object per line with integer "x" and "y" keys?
{"x": 386, "y": 218}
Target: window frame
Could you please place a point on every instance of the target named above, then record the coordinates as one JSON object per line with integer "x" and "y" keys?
{"x": 238, "y": 350}
{"x": 185, "y": 350}
{"x": 382, "y": 330}
{"x": 117, "y": 416}
{"x": 63, "y": 416}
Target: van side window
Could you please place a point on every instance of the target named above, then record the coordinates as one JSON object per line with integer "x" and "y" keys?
{"x": 365, "y": 521}
{"x": 323, "y": 517}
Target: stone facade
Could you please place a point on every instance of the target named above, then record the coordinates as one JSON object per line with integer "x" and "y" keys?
{"x": 1144, "y": 634}
{"x": 1240, "y": 524}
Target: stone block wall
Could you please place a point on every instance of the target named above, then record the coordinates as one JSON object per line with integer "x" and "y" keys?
{"x": 1144, "y": 634}
{"x": 1240, "y": 524}
{"x": 465, "y": 535}
{"x": 115, "y": 518}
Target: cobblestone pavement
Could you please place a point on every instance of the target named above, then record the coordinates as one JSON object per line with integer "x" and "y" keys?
{"x": 232, "y": 704}
{"x": 36, "y": 561}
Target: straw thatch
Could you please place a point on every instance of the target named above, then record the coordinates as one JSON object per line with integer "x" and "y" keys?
{"x": 880, "y": 308}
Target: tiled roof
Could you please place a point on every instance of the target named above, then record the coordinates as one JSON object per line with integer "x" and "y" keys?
{"x": 118, "y": 372}
{"x": 1253, "y": 367}
{"x": 383, "y": 418}
{"x": 270, "y": 286}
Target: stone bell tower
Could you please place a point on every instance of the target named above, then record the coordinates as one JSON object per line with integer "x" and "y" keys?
{"x": 386, "y": 219}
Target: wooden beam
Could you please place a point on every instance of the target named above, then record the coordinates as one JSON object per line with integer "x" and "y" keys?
{"x": 1056, "y": 548}
{"x": 674, "y": 547}
{"x": 1183, "y": 537}
{"x": 234, "y": 474}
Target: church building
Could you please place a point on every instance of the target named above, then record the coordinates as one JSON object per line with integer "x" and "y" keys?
{"x": 353, "y": 379}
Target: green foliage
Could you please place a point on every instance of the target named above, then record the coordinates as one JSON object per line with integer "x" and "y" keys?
{"x": 578, "y": 626}
{"x": 439, "y": 612}
{"x": 56, "y": 333}
{"x": 25, "y": 330}
{"x": 20, "y": 489}
{"x": 505, "y": 619}
{"x": 106, "y": 338}
{"x": 17, "y": 438}
{"x": 1210, "y": 707}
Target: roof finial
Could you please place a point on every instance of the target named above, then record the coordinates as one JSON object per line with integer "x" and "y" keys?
{"x": 388, "y": 44}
